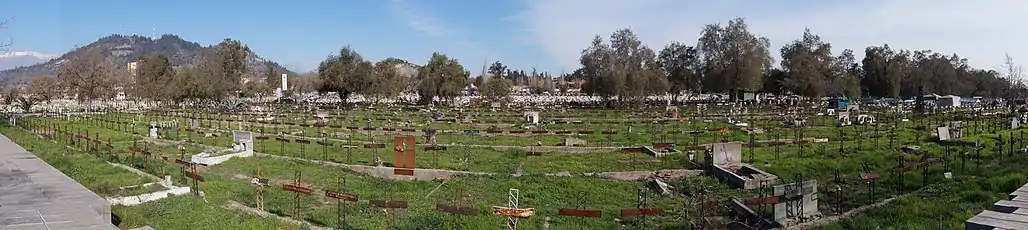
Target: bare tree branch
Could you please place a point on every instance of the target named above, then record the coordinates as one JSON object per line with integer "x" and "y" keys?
{"x": 4, "y": 45}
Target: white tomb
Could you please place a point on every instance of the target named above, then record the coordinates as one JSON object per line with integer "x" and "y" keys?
{"x": 532, "y": 117}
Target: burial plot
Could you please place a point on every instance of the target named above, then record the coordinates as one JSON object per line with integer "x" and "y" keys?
{"x": 726, "y": 164}
{"x": 798, "y": 201}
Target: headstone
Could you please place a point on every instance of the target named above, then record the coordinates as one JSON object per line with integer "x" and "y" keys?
{"x": 843, "y": 119}
{"x": 152, "y": 131}
{"x": 727, "y": 155}
{"x": 1015, "y": 123}
{"x": 943, "y": 133}
{"x": 799, "y": 201}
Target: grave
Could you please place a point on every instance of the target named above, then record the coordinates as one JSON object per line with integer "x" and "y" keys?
{"x": 242, "y": 147}
{"x": 531, "y": 117}
{"x": 843, "y": 119}
{"x": 797, "y": 201}
{"x": 1015, "y": 123}
{"x": 671, "y": 112}
{"x": 152, "y": 130}
{"x": 951, "y": 130}
{"x": 726, "y": 164}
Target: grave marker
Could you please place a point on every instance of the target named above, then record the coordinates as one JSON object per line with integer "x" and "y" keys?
{"x": 341, "y": 196}
{"x": 390, "y": 205}
{"x": 641, "y": 209}
{"x": 404, "y": 155}
{"x": 580, "y": 211}
{"x": 297, "y": 188}
{"x": 512, "y": 211}
{"x": 260, "y": 183}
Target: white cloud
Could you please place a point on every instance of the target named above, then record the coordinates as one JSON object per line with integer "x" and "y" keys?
{"x": 981, "y": 31}
{"x": 428, "y": 24}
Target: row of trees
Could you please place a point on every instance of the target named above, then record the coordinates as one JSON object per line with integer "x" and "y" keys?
{"x": 726, "y": 58}
{"x": 729, "y": 58}
{"x": 347, "y": 73}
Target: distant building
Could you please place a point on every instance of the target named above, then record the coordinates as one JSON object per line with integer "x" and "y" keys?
{"x": 132, "y": 66}
{"x": 949, "y": 101}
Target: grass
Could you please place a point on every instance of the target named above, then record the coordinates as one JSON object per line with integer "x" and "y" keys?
{"x": 944, "y": 204}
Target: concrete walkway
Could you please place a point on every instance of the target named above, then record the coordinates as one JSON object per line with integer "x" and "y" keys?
{"x": 34, "y": 195}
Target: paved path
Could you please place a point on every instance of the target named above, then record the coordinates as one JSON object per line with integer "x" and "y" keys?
{"x": 34, "y": 195}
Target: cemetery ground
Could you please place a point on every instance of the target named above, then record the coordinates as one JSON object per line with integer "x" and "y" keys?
{"x": 978, "y": 177}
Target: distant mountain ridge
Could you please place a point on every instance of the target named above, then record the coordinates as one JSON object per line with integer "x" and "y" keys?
{"x": 128, "y": 48}
{"x": 13, "y": 60}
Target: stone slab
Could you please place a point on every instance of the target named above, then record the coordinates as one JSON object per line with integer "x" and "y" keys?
{"x": 34, "y": 195}
{"x": 993, "y": 220}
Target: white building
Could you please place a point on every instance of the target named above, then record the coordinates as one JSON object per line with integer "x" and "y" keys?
{"x": 949, "y": 101}
{"x": 132, "y": 66}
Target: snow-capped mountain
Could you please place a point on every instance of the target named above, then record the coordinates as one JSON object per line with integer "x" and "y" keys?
{"x": 13, "y": 60}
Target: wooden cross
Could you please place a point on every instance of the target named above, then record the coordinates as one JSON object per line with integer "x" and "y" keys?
{"x": 303, "y": 147}
{"x": 341, "y": 196}
{"x": 457, "y": 208}
{"x": 260, "y": 182}
{"x": 641, "y": 208}
{"x": 297, "y": 188}
{"x": 192, "y": 174}
{"x": 579, "y": 210}
{"x": 390, "y": 207}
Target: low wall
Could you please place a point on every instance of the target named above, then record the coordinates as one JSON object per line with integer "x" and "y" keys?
{"x": 143, "y": 198}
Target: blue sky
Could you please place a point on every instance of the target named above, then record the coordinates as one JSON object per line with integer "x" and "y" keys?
{"x": 546, "y": 34}
{"x": 296, "y": 33}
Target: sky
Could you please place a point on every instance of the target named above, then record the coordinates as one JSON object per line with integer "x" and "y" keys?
{"x": 547, "y": 35}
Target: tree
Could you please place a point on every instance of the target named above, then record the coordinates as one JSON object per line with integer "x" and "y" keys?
{"x": 191, "y": 86}
{"x": 45, "y": 88}
{"x": 497, "y": 69}
{"x": 305, "y": 83}
{"x": 679, "y": 63}
{"x": 808, "y": 62}
{"x": 388, "y": 81}
{"x": 272, "y": 78}
{"x": 89, "y": 77}
{"x": 224, "y": 67}
{"x": 626, "y": 70}
{"x": 733, "y": 58}
{"x": 1014, "y": 74}
{"x": 345, "y": 74}
{"x": 845, "y": 75}
{"x": 441, "y": 77}
{"x": 883, "y": 71}
{"x": 496, "y": 89}
{"x": 154, "y": 74}
{"x": 4, "y": 45}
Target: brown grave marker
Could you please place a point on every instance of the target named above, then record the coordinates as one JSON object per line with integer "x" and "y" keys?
{"x": 404, "y": 155}
{"x": 298, "y": 189}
